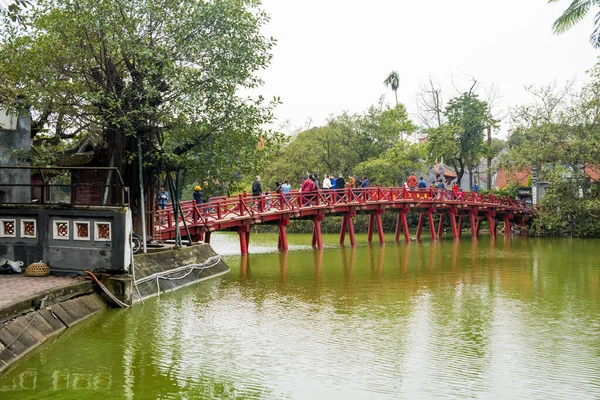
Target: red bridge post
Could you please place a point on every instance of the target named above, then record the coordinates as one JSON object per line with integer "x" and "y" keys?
{"x": 347, "y": 223}
{"x": 431, "y": 224}
{"x": 440, "y": 230}
{"x": 492, "y": 223}
{"x": 420, "y": 226}
{"x": 452, "y": 215}
{"x": 244, "y": 233}
{"x": 380, "y": 226}
{"x": 507, "y": 224}
{"x": 317, "y": 239}
{"x": 460, "y": 226}
{"x": 402, "y": 223}
{"x": 474, "y": 223}
{"x": 282, "y": 244}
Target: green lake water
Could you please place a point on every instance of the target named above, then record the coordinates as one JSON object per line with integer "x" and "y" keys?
{"x": 512, "y": 318}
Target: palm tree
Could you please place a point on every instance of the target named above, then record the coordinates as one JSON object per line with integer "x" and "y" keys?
{"x": 575, "y": 13}
{"x": 393, "y": 81}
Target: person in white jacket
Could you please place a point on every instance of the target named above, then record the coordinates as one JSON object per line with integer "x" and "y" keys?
{"x": 326, "y": 182}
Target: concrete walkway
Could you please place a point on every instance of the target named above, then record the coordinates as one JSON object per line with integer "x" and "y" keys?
{"x": 19, "y": 294}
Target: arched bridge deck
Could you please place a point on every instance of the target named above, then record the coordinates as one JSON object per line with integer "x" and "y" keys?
{"x": 238, "y": 213}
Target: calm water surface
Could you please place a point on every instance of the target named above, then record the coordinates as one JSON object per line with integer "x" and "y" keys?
{"x": 514, "y": 319}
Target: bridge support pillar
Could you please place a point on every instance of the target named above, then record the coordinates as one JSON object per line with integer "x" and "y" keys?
{"x": 375, "y": 218}
{"x": 507, "y": 225}
{"x": 380, "y": 227}
{"x": 491, "y": 217}
{"x": 348, "y": 224}
{"x": 282, "y": 243}
{"x": 207, "y": 236}
{"x": 420, "y": 226}
{"x": 431, "y": 224}
{"x": 452, "y": 215}
{"x": 440, "y": 230}
{"x": 474, "y": 223}
{"x": 460, "y": 226}
{"x": 402, "y": 223}
{"x": 244, "y": 234}
{"x": 317, "y": 238}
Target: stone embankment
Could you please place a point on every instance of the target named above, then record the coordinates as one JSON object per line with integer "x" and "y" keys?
{"x": 33, "y": 310}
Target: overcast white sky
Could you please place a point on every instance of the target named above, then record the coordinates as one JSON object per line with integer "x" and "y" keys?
{"x": 333, "y": 55}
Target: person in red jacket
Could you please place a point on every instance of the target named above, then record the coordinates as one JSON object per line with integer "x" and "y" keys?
{"x": 308, "y": 185}
{"x": 412, "y": 181}
{"x": 454, "y": 191}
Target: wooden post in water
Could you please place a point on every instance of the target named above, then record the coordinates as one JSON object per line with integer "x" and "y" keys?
{"x": 243, "y": 243}
{"x": 492, "y": 223}
{"x": 348, "y": 224}
{"x": 440, "y": 230}
{"x": 431, "y": 224}
{"x": 380, "y": 227}
{"x": 282, "y": 244}
{"x": 420, "y": 226}
{"x": 370, "y": 228}
{"x": 452, "y": 216}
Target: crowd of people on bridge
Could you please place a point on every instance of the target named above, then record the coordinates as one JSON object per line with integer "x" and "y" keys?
{"x": 311, "y": 183}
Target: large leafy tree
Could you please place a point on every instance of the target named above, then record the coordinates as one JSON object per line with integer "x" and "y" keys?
{"x": 460, "y": 140}
{"x": 576, "y": 11}
{"x": 558, "y": 132}
{"x": 168, "y": 72}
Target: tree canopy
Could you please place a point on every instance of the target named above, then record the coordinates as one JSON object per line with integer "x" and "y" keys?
{"x": 459, "y": 141}
{"x": 171, "y": 72}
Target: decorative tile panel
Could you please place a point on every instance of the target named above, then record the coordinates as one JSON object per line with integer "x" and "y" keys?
{"x": 60, "y": 230}
{"x": 8, "y": 228}
{"x": 102, "y": 231}
{"x": 82, "y": 230}
{"x": 28, "y": 229}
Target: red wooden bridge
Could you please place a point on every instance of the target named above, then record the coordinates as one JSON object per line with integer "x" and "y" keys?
{"x": 239, "y": 213}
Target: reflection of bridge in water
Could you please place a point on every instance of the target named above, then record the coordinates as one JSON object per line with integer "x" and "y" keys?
{"x": 239, "y": 213}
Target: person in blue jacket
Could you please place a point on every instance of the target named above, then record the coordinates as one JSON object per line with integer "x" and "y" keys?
{"x": 422, "y": 184}
{"x": 162, "y": 198}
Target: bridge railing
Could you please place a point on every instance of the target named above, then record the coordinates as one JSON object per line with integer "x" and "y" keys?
{"x": 242, "y": 205}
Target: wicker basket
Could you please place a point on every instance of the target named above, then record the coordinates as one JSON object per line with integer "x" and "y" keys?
{"x": 37, "y": 269}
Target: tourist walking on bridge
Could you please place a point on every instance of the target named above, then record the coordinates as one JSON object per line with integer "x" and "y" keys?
{"x": 340, "y": 183}
{"x": 162, "y": 198}
{"x": 352, "y": 181}
{"x": 256, "y": 187}
{"x": 326, "y": 182}
{"x": 198, "y": 195}
{"x": 286, "y": 189}
{"x": 307, "y": 186}
{"x": 412, "y": 181}
{"x": 365, "y": 182}
{"x": 257, "y": 191}
{"x": 422, "y": 184}
{"x": 454, "y": 191}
